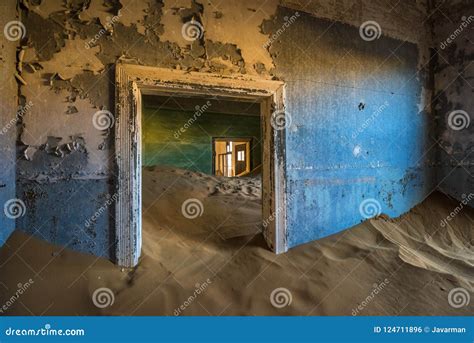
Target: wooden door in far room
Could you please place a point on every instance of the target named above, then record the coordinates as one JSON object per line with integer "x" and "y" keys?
{"x": 231, "y": 156}
{"x": 241, "y": 158}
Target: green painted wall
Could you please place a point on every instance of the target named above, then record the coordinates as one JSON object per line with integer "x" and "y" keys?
{"x": 184, "y": 139}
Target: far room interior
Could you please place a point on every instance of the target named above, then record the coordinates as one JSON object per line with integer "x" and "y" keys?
{"x": 206, "y": 141}
{"x": 202, "y": 134}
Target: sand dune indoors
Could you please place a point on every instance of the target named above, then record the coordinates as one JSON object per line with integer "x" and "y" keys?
{"x": 405, "y": 266}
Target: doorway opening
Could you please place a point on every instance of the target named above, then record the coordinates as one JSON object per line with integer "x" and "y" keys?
{"x": 197, "y": 185}
{"x": 192, "y": 152}
{"x": 234, "y": 157}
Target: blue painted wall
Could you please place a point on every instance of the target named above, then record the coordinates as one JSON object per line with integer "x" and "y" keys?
{"x": 71, "y": 211}
{"x": 77, "y": 215}
{"x": 356, "y": 133}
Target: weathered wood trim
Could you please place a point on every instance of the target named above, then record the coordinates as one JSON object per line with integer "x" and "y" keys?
{"x": 278, "y": 168}
{"x": 127, "y": 158}
{"x": 131, "y": 82}
{"x": 274, "y": 174}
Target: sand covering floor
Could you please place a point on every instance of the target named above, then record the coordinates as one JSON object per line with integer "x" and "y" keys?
{"x": 218, "y": 263}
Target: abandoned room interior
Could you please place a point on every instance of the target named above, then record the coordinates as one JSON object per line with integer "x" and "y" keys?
{"x": 216, "y": 158}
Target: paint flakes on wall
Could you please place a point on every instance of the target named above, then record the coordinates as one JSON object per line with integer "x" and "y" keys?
{"x": 48, "y": 118}
{"x": 97, "y": 9}
{"x": 172, "y": 21}
{"x": 44, "y": 8}
{"x": 132, "y": 13}
{"x": 225, "y": 29}
{"x": 241, "y": 28}
{"x": 29, "y": 153}
{"x": 73, "y": 59}
{"x": 46, "y": 41}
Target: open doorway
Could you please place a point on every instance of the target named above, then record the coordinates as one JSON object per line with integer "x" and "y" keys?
{"x": 192, "y": 154}
{"x": 235, "y": 157}
{"x": 197, "y": 185}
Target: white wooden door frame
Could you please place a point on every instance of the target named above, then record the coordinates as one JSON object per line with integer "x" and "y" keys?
{"x": 131, "y": 82}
